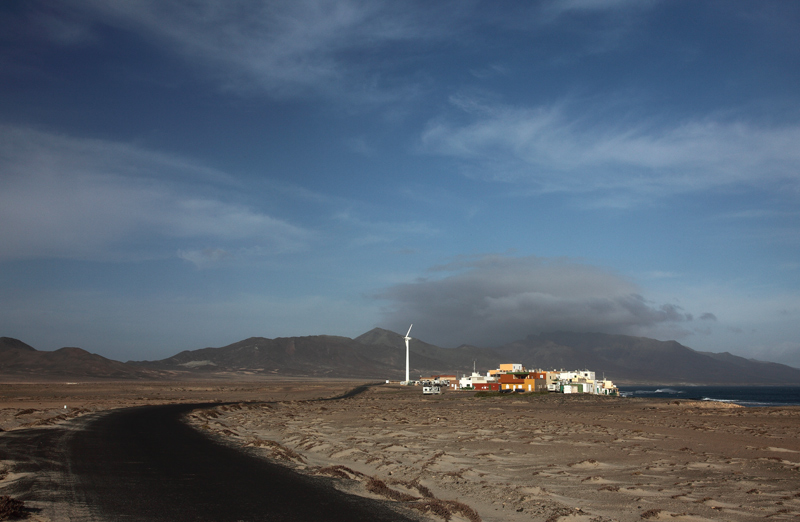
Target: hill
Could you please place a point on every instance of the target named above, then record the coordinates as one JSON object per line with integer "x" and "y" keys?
{"x": 380, "y": 354}
{"x": 20, "y": 361}
{"x": 642, "y": 360}
{"x": 442, "y": 360}
{"x": 318, "y": 356}
{"x": 315, "y": 356}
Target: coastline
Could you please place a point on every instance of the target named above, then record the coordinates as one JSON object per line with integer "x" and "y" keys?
{"x": 745, "y": 395}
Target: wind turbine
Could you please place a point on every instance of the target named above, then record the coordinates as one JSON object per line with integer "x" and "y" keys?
{"x": 407, "y": 338}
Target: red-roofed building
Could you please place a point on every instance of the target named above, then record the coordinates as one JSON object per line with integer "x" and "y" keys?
{"x": 510, "y": 381}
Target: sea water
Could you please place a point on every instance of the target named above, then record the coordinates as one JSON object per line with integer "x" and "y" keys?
{"x": 752, "y": 396}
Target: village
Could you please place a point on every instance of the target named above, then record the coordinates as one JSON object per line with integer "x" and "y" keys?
{"x": 515, "y": 378}
{"x": 512, "y": 378}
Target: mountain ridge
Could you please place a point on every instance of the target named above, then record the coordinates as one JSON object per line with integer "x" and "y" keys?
{"x": 380, "y": 354}
{"x": 19, "y": 360}
{"x": 646, "y": 360}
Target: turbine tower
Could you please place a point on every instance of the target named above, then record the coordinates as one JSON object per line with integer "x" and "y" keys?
{"x": 407, "y": 338}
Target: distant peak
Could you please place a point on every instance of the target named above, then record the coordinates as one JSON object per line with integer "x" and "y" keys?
{"x": 377, "y": 329}
{"x": 72, "y": 350}
{"x": 15, "y": 344}
{"x": 378, "y": 336}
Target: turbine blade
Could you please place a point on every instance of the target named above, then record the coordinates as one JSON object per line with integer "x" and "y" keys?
{"x": 409, "y": 330}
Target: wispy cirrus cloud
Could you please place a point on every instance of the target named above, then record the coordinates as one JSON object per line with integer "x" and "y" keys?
{"x": 69, "y": 197}
{"x": 552, "y": 151}
{"x": 496, "y": 299}
{"x": 356, "y": 50}
{"x": 284, "y": 48}
{"x": 562, "y": 6}
{"x": 370, "y": 232}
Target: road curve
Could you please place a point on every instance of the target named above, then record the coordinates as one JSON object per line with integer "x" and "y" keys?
{"x": 145, "y": 464}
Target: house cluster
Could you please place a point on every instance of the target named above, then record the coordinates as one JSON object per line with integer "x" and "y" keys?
{"x": 514, "y": 377}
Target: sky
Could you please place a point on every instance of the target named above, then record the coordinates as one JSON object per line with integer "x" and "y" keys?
{"x": 178, "y": 175}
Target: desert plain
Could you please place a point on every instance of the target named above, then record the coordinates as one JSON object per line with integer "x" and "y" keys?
{"x": 461, "y": 456}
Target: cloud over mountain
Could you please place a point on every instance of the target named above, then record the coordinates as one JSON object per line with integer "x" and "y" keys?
{"x": 497, "y": 299}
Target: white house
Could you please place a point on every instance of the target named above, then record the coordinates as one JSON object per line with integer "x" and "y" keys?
{"x": 475, "y": 378}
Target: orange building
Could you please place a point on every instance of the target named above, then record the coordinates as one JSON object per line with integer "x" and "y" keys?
{"x": 535, "y": 384}
{"x": 511, "y": 368}
{"x": 511, "y": 382}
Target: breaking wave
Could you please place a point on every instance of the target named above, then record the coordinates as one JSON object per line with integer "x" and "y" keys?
{"x": 751, "y": 396}
{"x": 666, "y": 391}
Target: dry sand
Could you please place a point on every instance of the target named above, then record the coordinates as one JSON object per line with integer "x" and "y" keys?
{"x": 33, "y": 405}
{"x": 41, "y": 405}
{"x": 539, "y": 457}
{"x": 522, "y": 457}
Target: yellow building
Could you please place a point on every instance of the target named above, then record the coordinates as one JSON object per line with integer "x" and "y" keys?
{"x": 535, "y": 384}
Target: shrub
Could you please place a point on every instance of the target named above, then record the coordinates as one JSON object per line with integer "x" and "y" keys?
{"x": 339, "y": 471}
{"x": 379, "y": 487}
{"x": 11, "y": 508}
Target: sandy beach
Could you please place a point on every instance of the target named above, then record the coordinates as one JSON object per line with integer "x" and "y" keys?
{"x": 462, "y": 457}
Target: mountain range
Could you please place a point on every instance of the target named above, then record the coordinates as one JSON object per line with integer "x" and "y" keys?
{"x": 19, "y": 361}
{"x": 380, "y": 354}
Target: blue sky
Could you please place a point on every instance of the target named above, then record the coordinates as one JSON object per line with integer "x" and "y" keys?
{"x": 189, "y": 174}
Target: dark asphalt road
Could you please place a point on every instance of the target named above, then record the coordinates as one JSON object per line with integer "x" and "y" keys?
{"x": 144, "y": 464}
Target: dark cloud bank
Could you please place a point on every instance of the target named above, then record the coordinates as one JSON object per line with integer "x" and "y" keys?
{"x": 493, "y": 300}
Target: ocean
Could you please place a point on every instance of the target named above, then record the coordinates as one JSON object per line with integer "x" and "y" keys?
{"x": 751, "y": 396}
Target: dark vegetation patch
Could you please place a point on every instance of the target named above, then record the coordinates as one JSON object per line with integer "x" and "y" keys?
{"x": 517, "y": 394}
{"x": 414, "y": 484}
{"x": 558, "y": 513}
{"x": 446, "y": 508}
{"x": 54, "y": 420}
{"x": 278, "y": 451}
{"x": 340, "y": 471}
{"x": 12, "y": 508}
{"x": 379, "y": 487}
{"x": 428, "y": 504}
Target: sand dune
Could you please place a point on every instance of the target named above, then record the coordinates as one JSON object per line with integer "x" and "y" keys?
{"x": 541, "y": 458}
{"x": 550, "y": 458}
